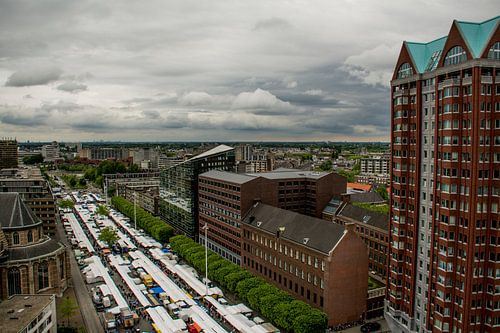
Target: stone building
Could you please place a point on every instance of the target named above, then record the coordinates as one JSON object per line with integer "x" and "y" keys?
{"x": 30, "y": 261}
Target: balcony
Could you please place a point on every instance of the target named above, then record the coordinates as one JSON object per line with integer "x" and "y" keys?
{"x": 449, "y": 82}
{"x": 486, "y": 79}
{"x": 428, "y": 89}
{"x": 467, "y": 80}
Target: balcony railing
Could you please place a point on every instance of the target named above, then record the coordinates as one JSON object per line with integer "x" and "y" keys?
{"x": 486, "y": 79}
{"x": 449, "y": 82}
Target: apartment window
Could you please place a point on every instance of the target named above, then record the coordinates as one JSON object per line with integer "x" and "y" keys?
{"x": 494, "y": 52}
{"x": 404, "y": 71}
{"x": 455, "y": 55}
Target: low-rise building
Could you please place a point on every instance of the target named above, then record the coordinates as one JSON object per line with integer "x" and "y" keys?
{"x": 29, "y": 314}
{"x": 144, "y": 194}
{"x": 319, "y": 262}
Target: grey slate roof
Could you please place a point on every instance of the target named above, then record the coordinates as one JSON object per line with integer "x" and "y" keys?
{"x": 368, "y": 197}
{"x": 35, "y": 250}
{"x": 14, "y": 213}
{"x": 321, "y": 235}
{"x": 377, "y": 220}
{"x": 290, "y": 174}
{"x": 236, "y": 178}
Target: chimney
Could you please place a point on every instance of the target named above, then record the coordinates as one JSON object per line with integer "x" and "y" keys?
{"x": 350, "y": 227}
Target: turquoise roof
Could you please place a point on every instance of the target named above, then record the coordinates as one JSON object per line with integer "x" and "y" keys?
{"x": 421, "y": 53}
{"x": 476, "y": 35}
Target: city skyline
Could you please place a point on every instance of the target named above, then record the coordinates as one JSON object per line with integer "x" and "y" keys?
{"x": 234, "y": 71}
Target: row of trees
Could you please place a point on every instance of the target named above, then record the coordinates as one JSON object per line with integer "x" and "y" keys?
{"x": 154, "y": 226}
{"x": 276, "y": 305}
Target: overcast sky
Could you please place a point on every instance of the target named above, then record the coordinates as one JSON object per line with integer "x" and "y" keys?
{"x": 209, "y": 70}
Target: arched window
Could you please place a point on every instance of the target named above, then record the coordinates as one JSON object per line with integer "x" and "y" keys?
{"x": 61, "y": 267}
{"x": 455, "y": 55}
{"x": 30, "y": 236}
{"x": 494, "y": 52}
{"x": 15, "y": 238}
{"x": 43, "y": 275}
{"x": 14, "y": 281}
{"x": 404, "y": 71}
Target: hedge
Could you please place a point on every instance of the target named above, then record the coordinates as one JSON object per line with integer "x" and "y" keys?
{"x": 275, "y": 304}
{"x": 154, "y": 226}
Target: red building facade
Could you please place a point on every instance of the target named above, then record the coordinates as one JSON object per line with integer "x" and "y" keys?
{"x": 444, "y": 260}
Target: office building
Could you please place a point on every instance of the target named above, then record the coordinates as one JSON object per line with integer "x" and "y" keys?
{"x": 179, "y": 187}
{"x": 8, "y": 153}
{"x": 50, "y": 152}
{"x": 243, "y": 152}
{"x": 318, "y": 262}
{"x": 104, "y": 153}
{"x": 444, "y": 269}
{"x": 30, "y": 261}
{"x": 225, "y": 198}
{"x": 29, "y": 314}
{"x": 145, "y": 194}
{"x": 35, "y": 191}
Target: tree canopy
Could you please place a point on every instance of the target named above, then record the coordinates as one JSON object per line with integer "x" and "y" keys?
{"x": 109, "y": 236}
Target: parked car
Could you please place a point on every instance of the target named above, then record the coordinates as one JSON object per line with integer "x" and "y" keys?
{"x": 370, "y": 327}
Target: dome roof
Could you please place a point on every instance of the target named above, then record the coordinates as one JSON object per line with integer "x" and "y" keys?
{"x": 14, "y": 214}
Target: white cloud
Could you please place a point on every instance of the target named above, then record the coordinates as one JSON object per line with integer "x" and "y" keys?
{"x": 260, "y": 99}
{"x": 72, "y": 87}
{"x": 373, "y": 66}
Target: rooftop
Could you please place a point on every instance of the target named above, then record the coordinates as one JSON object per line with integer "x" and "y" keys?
{"x": 370, "y": 197}
{"x": 283, "y": 173}
{"x": 14, "y": 213}
{"x": 235, "y": 178}
{"x": 34, "y": 250}
{"x": 214, "y": 151}
{"x": 309, "y": 231}
{"x": 377, "y": 220}
{"x": 19, "y": 310}
{"x": 476, "y": 35}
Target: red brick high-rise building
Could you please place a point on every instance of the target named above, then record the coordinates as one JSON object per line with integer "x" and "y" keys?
{"x": 444, "y": 260}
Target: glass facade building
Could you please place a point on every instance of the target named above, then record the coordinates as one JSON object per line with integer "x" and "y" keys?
{"x": 179, "y": 187}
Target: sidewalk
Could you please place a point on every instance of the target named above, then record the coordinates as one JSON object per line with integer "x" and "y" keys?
{"x": 384, "y": 327}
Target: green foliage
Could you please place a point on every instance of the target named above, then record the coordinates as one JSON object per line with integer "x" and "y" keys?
{"x": 349, "y": 175}
{"x": 66, "y": 203}
{"x": 73, "y": 181}
{"x": 377, "y": 208}
{"x": 68, "y": 309}
{"x": 326, "y": 165}
{"x": 109, "y": 236}
{"x": 383, "y": 192}
{"x": 154, "y": 226}
{"x": 34, "y": 159}
{"x": 102, "y": 210}
{"x": 313, "y": 321}
{"x": 374, "y": 284}
{"x": 276, "y": 305}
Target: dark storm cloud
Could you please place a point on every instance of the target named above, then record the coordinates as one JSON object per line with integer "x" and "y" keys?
{"x": 20, "y": 120}
{"x": 33, "y": 76}
{"x": 72, "y": 87}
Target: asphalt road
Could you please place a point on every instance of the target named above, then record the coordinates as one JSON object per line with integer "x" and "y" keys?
{"x": 86, "y": 307}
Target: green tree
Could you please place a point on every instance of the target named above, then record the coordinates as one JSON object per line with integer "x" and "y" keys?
{"x": 102, "y": 210}
{"x": 72, "y": 181}
{"x": 68, "y": 309}
{"x": 34, "y": 159}
{"x": 66, "y": 203}
{"x": 109, "y": 236}
{"x": 326, "y": 165}
{"x": 383, "y": 192}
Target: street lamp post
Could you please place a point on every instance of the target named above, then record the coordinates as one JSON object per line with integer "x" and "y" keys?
{"x": 206, "y": 259}
{"x": 135, "y": 210}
